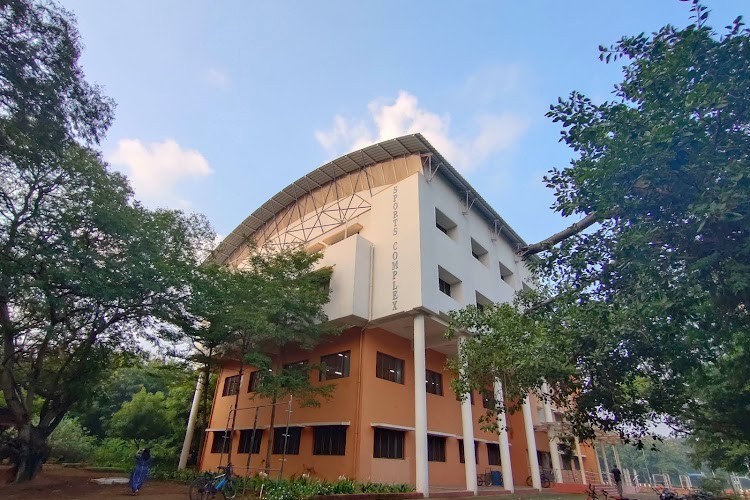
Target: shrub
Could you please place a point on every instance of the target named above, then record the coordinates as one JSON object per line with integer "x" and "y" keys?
{"x": 70, "y": 442}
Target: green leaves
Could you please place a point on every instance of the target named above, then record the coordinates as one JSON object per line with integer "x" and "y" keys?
{"x": 641, "y": 313}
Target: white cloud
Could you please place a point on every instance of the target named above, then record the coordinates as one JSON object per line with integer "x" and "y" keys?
{"x": 156, "y": 169}
{"x": 217, "y": 78}
{"x": 403, "y": 116}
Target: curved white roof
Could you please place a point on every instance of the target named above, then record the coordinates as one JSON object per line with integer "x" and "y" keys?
{"x": 351, "y": 162}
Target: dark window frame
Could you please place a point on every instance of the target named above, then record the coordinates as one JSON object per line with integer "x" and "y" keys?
{"x": 434, "y": 381}
{"x": 493, "y": 454}
{"x": 329, "y": 440}
{"x": 435, "y": 448}
{"x": 231, "y": 385}
{"x": 444, "y": 287}
{"x": 488, "y": 399}
{"x": 388, "y": 443}
{"x": 246, "y": 437}
{"x": 256, "y": 377}
{"x": 292, "y": 442}
{"x": 222, "y": 442}
{"x": 390, "y": 368}
{"x": 343, "y": 359}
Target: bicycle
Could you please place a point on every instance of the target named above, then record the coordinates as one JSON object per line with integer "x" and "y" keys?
{"x": 484, "y": 479}
{"x": 207, "y": 487}
{"x": 544, "y": 476}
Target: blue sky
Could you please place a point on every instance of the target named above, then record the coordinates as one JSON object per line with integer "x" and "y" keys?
{"x": 220, "y": 105}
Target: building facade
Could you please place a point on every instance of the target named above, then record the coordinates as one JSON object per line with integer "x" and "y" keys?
{"x": 408, "y": 240}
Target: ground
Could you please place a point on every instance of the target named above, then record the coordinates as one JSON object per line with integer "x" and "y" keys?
{"x": 57, "y": 482}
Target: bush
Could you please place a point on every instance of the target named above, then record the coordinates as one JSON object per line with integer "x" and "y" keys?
{"x": 714, "y": 485}
{"x": 70, "y": 442}
{"x": 115, "y": 452}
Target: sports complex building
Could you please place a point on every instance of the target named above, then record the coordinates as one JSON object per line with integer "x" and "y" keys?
{"x": 408, "y": 240}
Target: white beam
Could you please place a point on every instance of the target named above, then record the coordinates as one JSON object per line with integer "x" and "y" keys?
{"x": 503, "y": 438}
{"x": 467, "y": 423}
{"x": 528, "y": 424}
{"x": 420, "y": 408}
{"x": 191, "y": 423}
{"x": 554, "y": 450}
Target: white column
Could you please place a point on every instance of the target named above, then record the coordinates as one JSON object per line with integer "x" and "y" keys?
{"x": 467, "y": 423}
{"x": 191, "y": 423}
{"x": 528, "y": 424}
{"x": 552, "y": 435}
{"x": 606, "y": 464}
{"x": 580, "y": 462}
{"x": 502, "y": 423}
{"x": 598, "y": 463}
{"x": 420, "y": 409}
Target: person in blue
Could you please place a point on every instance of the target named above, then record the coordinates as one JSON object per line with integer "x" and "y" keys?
{"x": 140, "y": 471}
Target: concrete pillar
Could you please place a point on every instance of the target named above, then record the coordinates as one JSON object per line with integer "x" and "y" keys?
{"x": 467, "y": 424}
{"x": 580, "y": 462}
{"x": 420, "y": 409}
{"x": 598, "y": 463}
{"x": 606, "y": 465}
{"x": 528, "y": 424}
{"x": 191, "y": 422}
{"x": 502, "y": 423}
{"x": 552, "y": 435}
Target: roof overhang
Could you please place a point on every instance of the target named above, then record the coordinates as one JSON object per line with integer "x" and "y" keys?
{"x": 351, "y": 162}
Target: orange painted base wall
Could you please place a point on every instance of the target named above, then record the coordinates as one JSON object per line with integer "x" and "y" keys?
{"x": 363, "y": 401}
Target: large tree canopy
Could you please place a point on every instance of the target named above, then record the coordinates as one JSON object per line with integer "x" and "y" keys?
{"x": 642, "y": 310}
{"x": 83, "y": 268}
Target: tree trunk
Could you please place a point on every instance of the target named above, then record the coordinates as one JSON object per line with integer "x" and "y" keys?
{"x": 270, "y": 435}
{"x": 30, "y": 451}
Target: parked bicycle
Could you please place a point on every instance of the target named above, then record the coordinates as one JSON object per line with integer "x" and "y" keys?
{"x": 207, "y": 487}
{"x": 546, "y": 478}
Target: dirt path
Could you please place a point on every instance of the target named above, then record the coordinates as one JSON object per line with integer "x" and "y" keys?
{"x": 59, "y": 482}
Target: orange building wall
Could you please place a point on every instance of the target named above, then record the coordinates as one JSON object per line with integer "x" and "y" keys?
{"x": 362, "y": 399}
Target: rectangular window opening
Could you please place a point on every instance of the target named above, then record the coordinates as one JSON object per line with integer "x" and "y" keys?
{"x": 506, "y": 274}
{"x": 445, "y": 224}
{"x": 335, "y": 365}
{"x": 231, "y": 385}
{"x": 389, "y": 368}
{"x": 291, "y": 438}
{"x": 222, "y": 441}
{"x": 388, "y": 443}
{"x": 434, "y": 382}
{"x": 248, "y": 440}
{"x": 435, "y": 448}
{"x": 493, "y": 454}
{"x": 329, "y": 440}
{"x": 479, "y": 252}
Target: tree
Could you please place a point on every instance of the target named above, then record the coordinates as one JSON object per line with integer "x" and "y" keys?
{"x": 83, "y": 268}
{"x": 143, "y": 418}
{"x": 252, "y": 312}
{"x": 646, "y": 296}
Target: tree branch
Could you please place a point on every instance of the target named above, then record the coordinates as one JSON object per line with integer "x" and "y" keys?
{"x": 556, "y": 238}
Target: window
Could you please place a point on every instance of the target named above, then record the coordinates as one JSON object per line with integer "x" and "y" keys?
{"x": 488, "y": 399}
{"x": 449, "y": 284}
{"x": 231, "y": 386}
{"x": 434, "y": 382}
{"x": 388, "y": 443}
{"x": 250, "y": 440}
{"x": 444, "y": 224}
{"x": 506, "y": 274}
{"x": 435, "y": 448}
{"x": 461, "y": 457}
{"x": 444, "y": 287}
{"x": 255, "y": 380}
{"x": 493, "y": 454}
{"x": 336, "y": 365}
{"x": 292, "y": 439}
{"x": 389, "y": 368}
{"x": 478, "y": 252}
{"x": 329, "y": 440}
{"x": 482, "y": 302}
{"x": 221, "y": 443}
